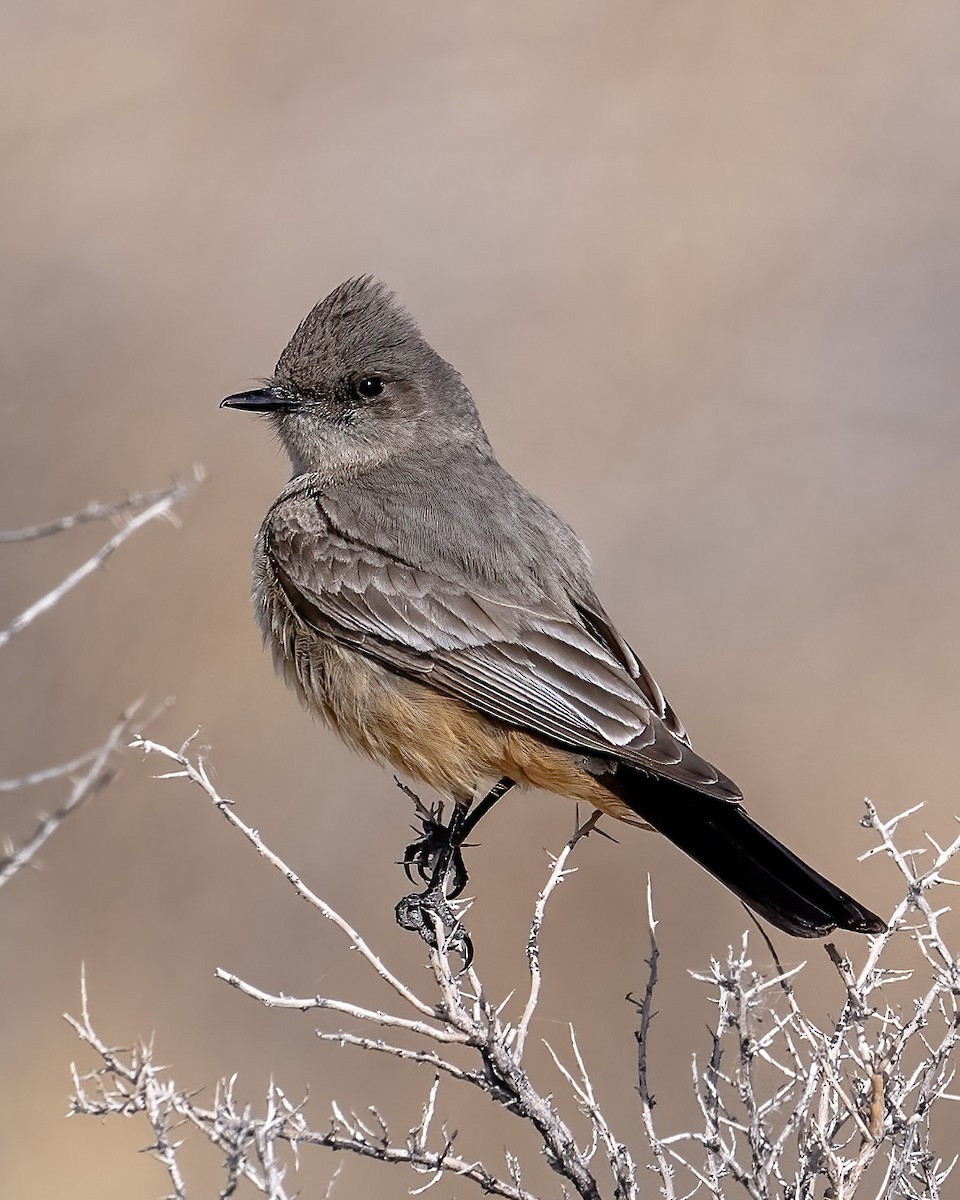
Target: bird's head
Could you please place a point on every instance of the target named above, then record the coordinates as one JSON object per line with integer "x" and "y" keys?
{"x": 358, "y": 384}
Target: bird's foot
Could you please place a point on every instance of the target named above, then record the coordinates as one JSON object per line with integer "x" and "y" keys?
{"x": 422, "y": 912}
{"x": 426, "y": 852}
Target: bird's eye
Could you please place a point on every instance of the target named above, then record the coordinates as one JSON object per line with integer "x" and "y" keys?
{"x": 370, "y": 387}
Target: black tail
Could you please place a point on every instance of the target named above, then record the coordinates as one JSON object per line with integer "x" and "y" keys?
{"x": 720, "y": 836}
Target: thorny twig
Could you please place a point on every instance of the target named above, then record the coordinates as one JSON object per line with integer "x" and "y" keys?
{"x": 161, "y": 505}
{"x": 557, "y": 876}
{"x": 95, "y": 511}
{"x": 645, "y": 1010}
{"x": 461, "y": 1016}
{"x": 45, "y": 774}
{"x": 787, "y": 1106}
{"x": 93, "y": 769}
{"x": 97, "y": 776}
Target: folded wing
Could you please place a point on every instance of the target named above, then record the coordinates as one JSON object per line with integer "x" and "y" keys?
{"x": 566, "y": 676}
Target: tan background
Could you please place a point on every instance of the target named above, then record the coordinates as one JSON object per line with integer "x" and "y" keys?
{"x": 700, "y": 265}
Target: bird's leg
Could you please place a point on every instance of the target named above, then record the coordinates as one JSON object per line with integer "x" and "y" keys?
{"x": 439, "y": 840}
{"x": 414, "y": 912}
{"x": 474, "y": 816}
{"x": 422, "y": 854}
{"x": 440, "y": 850}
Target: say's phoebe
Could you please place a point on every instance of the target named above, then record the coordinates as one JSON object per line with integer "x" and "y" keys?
{"x": 443, "y": 620}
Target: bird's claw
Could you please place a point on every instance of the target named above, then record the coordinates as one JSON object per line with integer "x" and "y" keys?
{"x": 422, "y": 855}
{"x": 415, "y": 913}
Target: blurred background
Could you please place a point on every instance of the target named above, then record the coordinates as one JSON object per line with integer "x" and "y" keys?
{"x": 699, "y": 264}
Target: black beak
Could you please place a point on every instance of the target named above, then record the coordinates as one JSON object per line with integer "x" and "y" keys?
{"x": 267, "y": 399}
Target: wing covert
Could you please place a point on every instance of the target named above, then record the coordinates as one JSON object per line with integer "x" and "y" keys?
{"x": 562, "y": 675}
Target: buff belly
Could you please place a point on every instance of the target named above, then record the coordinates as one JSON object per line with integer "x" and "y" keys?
{"x": 419, "y": 731}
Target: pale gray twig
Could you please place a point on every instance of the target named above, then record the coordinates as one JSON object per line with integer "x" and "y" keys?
{"x": 645, "y": 1009}
{"x": 196, "y": 772}
{"x": 556, "y": 877}
{"x": 95, "y": 511}
{"x": 45, "y": 774}
{"x": 789, "y": 1109}
{"x": 96, "y": 773}
{"x": 162, "y": 507}
{"x": 461, "y": 1016}
{"x": 788, "y": 1106}
{"x": 97, "y": 776}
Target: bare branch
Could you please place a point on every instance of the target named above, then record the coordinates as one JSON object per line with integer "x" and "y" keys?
{"x": 95, "y": 773}
{"x": 788, "y": 1108}
{"x": 799, "y": 1105}
{"x": 95, "y": 511}
{"x": 197, "y": 773}
{"x": 162, "y": 507}
{"x": 97, "y": 776}
{"x": 461, "y": 1016}
{"x": 556, "y": 877}
{"x": 45, "y": 774}
{"x": 375, "y": 1016}
{"x": 647, "y": 1101}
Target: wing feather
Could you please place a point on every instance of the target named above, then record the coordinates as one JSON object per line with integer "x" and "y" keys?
{"x": 564, "y": 675}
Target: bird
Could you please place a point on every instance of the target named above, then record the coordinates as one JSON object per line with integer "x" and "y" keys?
{"x": 443, "y": 620}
